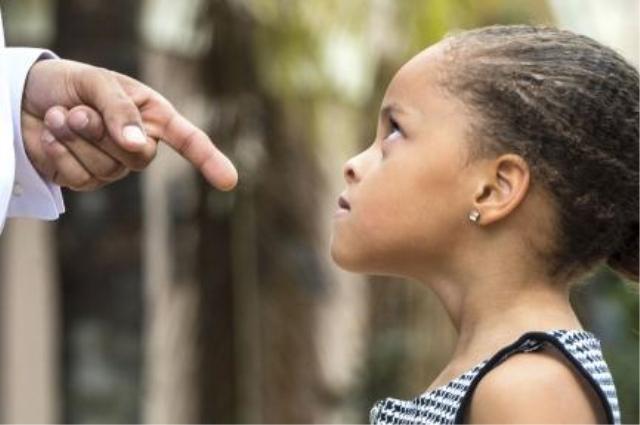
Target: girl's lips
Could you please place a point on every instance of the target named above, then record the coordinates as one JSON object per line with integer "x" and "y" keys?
{"x": 343, "y": 203}
{"x": 343, "y": 207}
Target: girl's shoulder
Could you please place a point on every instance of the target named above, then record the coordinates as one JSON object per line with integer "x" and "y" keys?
{"x": 559, "y": 375}
{"x": 555, "y": 372}
{"x": 541, "y": 386}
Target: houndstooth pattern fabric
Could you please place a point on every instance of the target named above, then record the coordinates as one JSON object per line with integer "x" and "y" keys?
{"x": 442, "y": 405}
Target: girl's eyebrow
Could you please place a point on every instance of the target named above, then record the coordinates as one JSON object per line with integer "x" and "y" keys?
{"x": 391, "y": 108}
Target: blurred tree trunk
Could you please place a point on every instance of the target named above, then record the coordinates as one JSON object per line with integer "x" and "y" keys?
{"x": 258, "y": 269}
{"x": 99, "y": 242}
{"x": 172, "y": 293}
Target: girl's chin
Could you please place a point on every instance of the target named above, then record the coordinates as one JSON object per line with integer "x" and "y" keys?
{"x": 353, "y": 261}
{"x": 345, "y": 258}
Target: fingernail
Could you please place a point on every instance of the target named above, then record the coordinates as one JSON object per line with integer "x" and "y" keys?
{"x": 55, "y": 119}
{"x": 79, "y": 120}
{"x": 133, "y": 134}
{"x": 47, "y": 137}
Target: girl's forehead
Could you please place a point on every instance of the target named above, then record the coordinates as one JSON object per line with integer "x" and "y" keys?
{"x": 423, "y": 66}
{"x": 416, "y": 80}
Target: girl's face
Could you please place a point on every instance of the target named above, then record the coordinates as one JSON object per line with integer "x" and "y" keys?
{"x": 408, "y": 195}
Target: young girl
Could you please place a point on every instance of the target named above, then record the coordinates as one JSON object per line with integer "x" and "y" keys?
{"x": 504, "y": 169}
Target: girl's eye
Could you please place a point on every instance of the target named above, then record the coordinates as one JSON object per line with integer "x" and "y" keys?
{"x": 394, "y": 130}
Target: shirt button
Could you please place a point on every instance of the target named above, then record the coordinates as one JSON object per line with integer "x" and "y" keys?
{"x": 17, "y": 189}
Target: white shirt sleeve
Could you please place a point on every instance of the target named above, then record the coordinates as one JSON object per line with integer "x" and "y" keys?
{"x": 32, "y": 196}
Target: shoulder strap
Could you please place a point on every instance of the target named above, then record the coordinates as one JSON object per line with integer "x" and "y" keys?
{"x": 531, "y": 341}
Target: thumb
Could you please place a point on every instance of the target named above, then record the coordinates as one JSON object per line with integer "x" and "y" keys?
{"x": 97, "y": 87}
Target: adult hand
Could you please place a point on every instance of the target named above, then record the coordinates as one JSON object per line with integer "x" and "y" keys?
{"x": 135, "y": 117}
{"x": 82, "y": 160}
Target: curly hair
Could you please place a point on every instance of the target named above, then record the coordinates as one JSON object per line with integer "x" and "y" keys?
{"x": 569, "y": 106}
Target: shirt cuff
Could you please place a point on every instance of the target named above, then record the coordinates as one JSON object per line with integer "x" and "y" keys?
{"x": 32, "y": 195}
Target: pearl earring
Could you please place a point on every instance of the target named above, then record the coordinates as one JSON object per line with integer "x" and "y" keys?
{"x": 474, "y": 216}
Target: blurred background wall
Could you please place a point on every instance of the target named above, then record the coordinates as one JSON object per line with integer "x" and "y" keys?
{"x": 161, "y": 300}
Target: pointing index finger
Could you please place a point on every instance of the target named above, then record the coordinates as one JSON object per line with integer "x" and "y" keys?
{"x": 163, "y": 121}
{"x": 195, "y": 146}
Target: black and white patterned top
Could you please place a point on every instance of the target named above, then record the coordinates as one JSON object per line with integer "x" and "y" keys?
{"x": 447, "y": 404}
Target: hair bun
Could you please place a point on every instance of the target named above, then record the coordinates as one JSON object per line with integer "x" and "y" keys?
{"x": 624, "y": 260}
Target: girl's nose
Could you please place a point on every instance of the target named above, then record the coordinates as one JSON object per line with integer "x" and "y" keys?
{"x": 350, "y": 174}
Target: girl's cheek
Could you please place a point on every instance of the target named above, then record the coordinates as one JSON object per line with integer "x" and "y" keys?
{"x": 376, "y": 209}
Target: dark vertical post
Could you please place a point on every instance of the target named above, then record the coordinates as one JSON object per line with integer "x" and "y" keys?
{"x": 100, "y": 244}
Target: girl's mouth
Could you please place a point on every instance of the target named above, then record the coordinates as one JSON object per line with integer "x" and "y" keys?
{"x": 343, "y": 203}
{"x": 343, "y": 207}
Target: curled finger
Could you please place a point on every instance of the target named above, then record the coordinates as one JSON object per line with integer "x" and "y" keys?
{"x": 68, "y": 171}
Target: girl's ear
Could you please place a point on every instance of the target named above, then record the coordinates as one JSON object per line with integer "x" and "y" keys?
{"x": 503, "y": 186}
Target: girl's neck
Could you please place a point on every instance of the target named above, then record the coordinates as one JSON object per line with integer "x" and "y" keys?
{"x": 491, "y": 313}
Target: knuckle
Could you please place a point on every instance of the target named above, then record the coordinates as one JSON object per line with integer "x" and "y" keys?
{"x": 107, "y": 143}
{"x": 141, "y": 161}
{"x": 56, "y": 151}
{"x": 138, "y": 164}
{"x": 63, "y": 134}
{"x": 122, "y": 111}
{"x": 101, "y": 167}
{"x": 82, "y": 180}
{"x": 89, "y": 74}
{"x": 84, "y": 183}
{"x": 150, "y": 153}
{"x": 122, "y": 101}
{"x": 112, "y": 120}
{"x": 113, "y": 173}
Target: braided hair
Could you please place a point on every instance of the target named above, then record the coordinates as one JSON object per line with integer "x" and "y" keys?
{"x": 569, "y": 106}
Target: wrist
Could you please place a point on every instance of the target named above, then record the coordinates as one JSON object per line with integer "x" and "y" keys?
{"x": 28, "y": 104}
{"x": 25, "y": 118}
